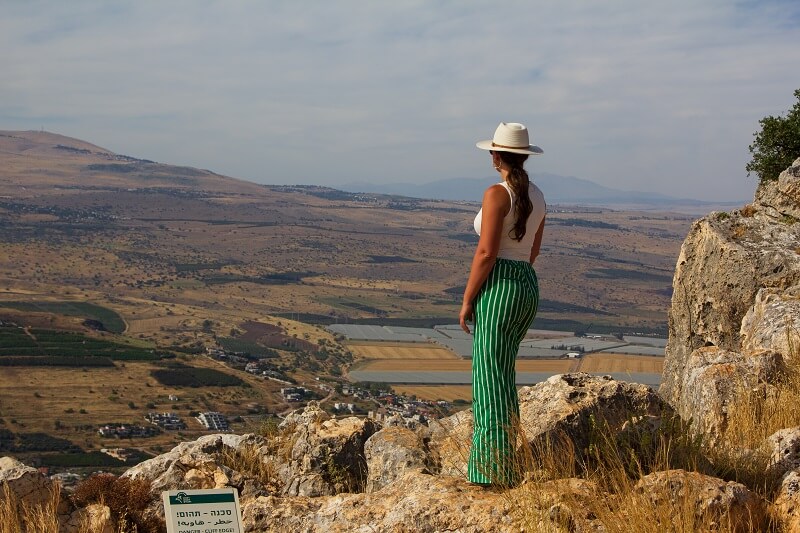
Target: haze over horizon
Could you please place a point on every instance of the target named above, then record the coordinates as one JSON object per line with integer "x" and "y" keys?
{"x": 661, "y": 99}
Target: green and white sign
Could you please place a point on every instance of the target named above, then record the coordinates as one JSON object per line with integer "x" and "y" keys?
{"x": 202, "y": 511}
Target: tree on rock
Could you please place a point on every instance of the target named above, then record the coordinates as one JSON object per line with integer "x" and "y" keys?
{"x": 777, "y": 145}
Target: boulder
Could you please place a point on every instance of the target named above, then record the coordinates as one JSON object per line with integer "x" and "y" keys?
{"x": 781, "y": 198}
{"x": 26, "y": 484}
{"x": 327, "y": 456}
{"x": 390, "y": 453}
{"x": 577, "y": 407}
{"x": 784, "y": 449}
{"x": 95, "y": 518}
{"x": 450, "y": 440}
{"x": 717, "y": 504}
{"x": 786, "y": 508}
{"x": 773, "y": 323}
{"x": 192, "y": 465}
{"x": 715, "y": 377}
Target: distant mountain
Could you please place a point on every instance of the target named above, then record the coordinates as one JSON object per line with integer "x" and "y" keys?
{"x": 557, "y": 190}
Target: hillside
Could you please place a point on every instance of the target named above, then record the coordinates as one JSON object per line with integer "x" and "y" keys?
{"x": 138, "y": 232}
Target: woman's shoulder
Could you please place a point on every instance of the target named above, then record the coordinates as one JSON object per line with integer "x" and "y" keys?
{"x": 496, "y": 189}
{"x": 497, "y": 195}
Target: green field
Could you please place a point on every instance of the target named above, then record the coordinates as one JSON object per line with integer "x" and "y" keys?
{"x": 38, "y": 347}
{"x": 110, "y": 319}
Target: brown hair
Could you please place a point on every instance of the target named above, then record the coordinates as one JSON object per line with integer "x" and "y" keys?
{"x": 518, "y": 181}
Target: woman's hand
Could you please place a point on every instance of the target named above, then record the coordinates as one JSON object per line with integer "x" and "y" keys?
{"x": 466, "y": 315}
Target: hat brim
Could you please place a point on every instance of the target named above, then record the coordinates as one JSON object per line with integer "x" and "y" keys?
{"x": 488, "y": 145}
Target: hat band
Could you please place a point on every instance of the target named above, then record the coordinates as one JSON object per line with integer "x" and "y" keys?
{"x": 512, "y": 147}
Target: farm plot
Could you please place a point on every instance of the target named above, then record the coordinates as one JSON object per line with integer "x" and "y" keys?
{"x": 609, "y": 362}
{"x": 403, "y": 351}
{"x": 556, "y": 366}
{"x": 448, "y": 393}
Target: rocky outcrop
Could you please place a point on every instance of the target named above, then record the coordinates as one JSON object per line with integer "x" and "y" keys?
{"x": 414, "y": 502}
{"x": 390, "y": 453}
{"x": 327, "y": 456}
{"x": 577, "y": 407}
{"x": 716, "y": 377}
{"x": 25, "y": 483}
{"x": 735, "y": 288}
{"x": 787, "y": 504}
{"x": 784, "y": 450}
{"x": 193, "y": 465}
{"x": 716, "y": 504}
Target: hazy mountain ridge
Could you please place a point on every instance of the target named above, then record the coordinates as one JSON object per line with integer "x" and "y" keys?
{"x": 557, "y": 190}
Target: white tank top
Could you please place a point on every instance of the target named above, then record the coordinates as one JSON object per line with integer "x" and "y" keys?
{"x": 510, "y": 248}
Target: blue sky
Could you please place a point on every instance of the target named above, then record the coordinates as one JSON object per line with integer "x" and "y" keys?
{"x": 651, "y": 96}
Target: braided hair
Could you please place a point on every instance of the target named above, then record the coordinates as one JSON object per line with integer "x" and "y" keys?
{"x": 518, "y": 181}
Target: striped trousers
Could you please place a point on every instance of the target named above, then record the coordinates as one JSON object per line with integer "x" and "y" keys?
{"x": 504, "y": 310}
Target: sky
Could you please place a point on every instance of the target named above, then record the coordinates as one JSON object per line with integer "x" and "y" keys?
{"x": 648, "y": 96}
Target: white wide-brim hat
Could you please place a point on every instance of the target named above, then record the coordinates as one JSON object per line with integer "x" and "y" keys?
{"x": 510, "y": 137}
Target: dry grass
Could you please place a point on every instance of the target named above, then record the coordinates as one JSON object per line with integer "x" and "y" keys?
{"x": 611, "y": 472}
{"x": 251, "y": 461}
{"x": 20, "y": 517}
{"x": 761, "y": 411}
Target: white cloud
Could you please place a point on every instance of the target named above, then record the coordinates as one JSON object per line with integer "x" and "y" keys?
{"x": 629, "y": 94}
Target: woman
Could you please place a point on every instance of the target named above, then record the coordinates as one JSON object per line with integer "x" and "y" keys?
{"x": 502, "y": 296}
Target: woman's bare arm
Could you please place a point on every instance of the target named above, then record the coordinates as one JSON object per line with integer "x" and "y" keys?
{"x": 496, "y": 204}
{"x": 537, "y": 242}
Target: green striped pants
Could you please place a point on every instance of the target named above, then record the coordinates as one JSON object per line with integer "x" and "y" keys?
{"x": 504, "y": 310}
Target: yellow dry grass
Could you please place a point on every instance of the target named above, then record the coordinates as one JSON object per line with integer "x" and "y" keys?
{"x": 610, "y": 362}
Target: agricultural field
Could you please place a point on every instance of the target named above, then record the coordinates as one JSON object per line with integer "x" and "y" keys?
{"x": 448, "y": 393}
{"x": 71, "y": 403}
{"x": 609, "y": 362}
{"x": 402, "y": 351}
{"x": 557, "y": 366}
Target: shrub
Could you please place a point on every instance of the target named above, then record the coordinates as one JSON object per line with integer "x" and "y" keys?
{"x": 126, "y": 498}
{"x": 777, "y": 144}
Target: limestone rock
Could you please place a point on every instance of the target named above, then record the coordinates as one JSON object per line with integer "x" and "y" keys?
{"x": 312, "y": 414}
{"x": 784, "y": 448}
{"x": 773, "y": 323}
{"x": 95, "y": 517}
{"x": 450, "y": 441}
{"x": 572, "y": 406}
{"x": 192, "y": 465}
{"x": 726, "y": 259}
{"x": 781, "y": 198}
{"x": 575, "y": 405}
{"x": 715, "y": 377}
{"x": 787, "y": 504}
{"x": 390, "y": 453}
{"x": 724, "y": 504}
{"x": 327, "y": 456}
{"x": 25, "y": 483}
{"x": 416, "y": 502}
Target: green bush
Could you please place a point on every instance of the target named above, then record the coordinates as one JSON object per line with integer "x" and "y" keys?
{"x": 777, "y": 145}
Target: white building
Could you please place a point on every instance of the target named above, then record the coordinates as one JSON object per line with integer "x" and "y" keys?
{"x": 213, "y": 420}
